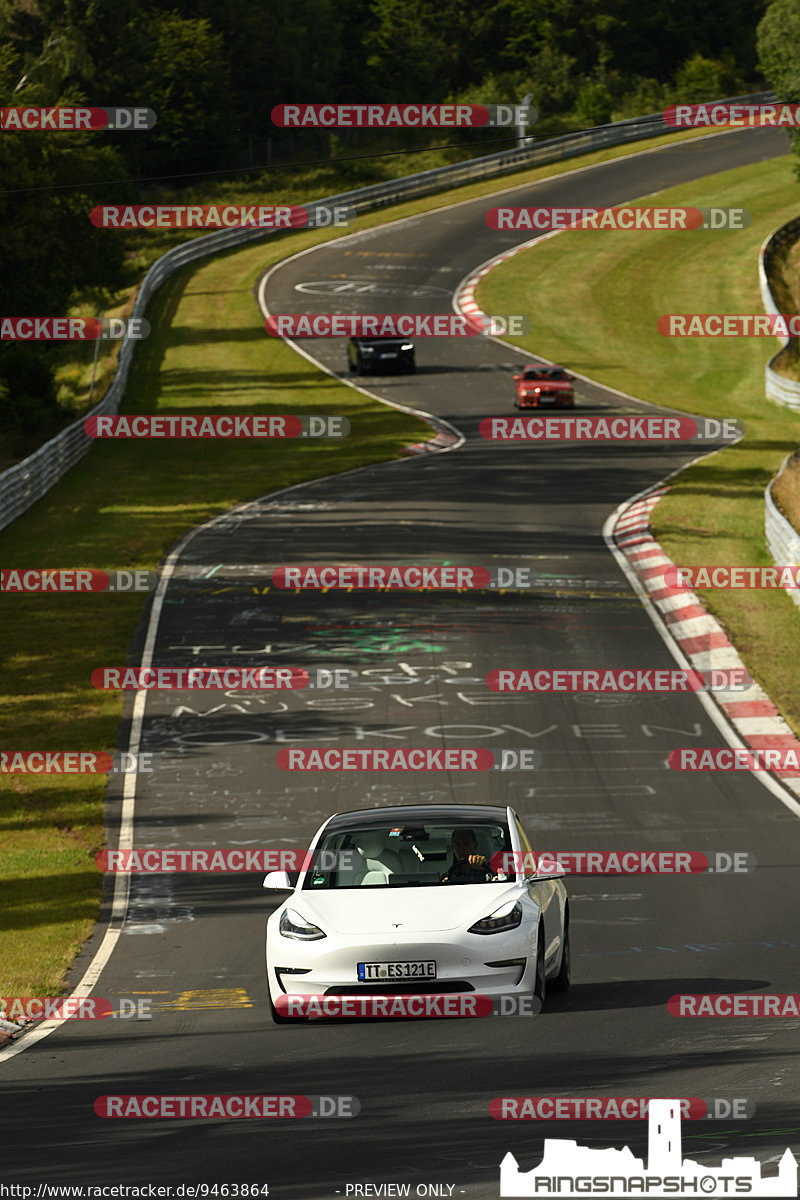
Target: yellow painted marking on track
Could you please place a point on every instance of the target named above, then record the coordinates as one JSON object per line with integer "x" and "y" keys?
{"x": 209, "y": 998}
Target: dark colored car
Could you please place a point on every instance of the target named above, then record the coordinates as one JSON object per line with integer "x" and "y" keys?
{"x": 543, "y": 387}
{"x": 369, "y": 356}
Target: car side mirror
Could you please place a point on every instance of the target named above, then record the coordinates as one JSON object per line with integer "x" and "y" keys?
{"x": 547, "y": 868}
{"x": 278, "y": 881}
{"x": 516, "y": 377}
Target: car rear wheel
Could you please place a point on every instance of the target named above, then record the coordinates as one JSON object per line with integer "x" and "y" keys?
{"x": 564, "y": 977}
{"x": 540, "y": 987}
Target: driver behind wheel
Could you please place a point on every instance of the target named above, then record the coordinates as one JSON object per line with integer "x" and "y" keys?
{"x": 467, "y": 866}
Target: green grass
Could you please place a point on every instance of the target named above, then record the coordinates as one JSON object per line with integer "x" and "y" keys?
{"x": 123, "y": 506}
{"x": 604, "y": 293}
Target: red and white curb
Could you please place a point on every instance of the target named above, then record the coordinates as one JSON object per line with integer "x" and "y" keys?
{"x": 699, "y": 635}
{"x": 443, "y": 439}
{"x": 464, "y": 295}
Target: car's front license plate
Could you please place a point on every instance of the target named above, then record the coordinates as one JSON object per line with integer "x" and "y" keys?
{"x": 391, "y": 355}
{"x": 369, "y": 971}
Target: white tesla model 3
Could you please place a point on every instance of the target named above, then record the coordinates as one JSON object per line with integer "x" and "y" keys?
{"x": 419, "y": 899}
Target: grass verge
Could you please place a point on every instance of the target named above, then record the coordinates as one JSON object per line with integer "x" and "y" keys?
{"x": 714, "y": 513}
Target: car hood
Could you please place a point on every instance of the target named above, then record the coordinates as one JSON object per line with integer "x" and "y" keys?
{"x": 555, "y": 385}
{"x": 415, "y": 909}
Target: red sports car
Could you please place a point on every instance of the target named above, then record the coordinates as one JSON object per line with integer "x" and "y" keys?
{"x": 543, "y": 387}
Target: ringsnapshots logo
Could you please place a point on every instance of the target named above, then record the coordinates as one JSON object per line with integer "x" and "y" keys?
{"x": 75, "y": 120}
{"x": 219, "y": 216}
{"x": 395, "y": 325}
{"x": 402, "y": 116}
{"x": 610, "y": 429}
{"x": 233, "y": 425}
{"x": 75, "y": 579}
{"x": 634, "y": 679}
{"x": 72, "y": 329}
{"x": 568, "y": 1169}
{"x": 724, "y": 116}
{"x": 541, "y": 220}
{"x": 409, "y": 577}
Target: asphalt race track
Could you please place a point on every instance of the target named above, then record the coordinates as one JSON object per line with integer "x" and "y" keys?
{"x": 194, "y": 943}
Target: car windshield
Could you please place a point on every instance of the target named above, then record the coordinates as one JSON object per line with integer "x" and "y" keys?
{"x": 545, "y": 373}
{"x": 425, "y": 855}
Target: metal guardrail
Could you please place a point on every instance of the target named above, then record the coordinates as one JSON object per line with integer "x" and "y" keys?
{"x": 26, "y": 482}
{"x": 777, "y": 387}
{"x": 783, "y": 540}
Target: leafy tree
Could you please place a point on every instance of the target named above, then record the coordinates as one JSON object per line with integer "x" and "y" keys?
{"x": 48, "y": 247}
{"x": 778, "y": 43}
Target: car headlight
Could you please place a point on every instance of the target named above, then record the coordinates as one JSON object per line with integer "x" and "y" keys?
{"x": 508, "y": 916}
{"x": 292, "y": 925}
{"x": 407, "y": 346}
